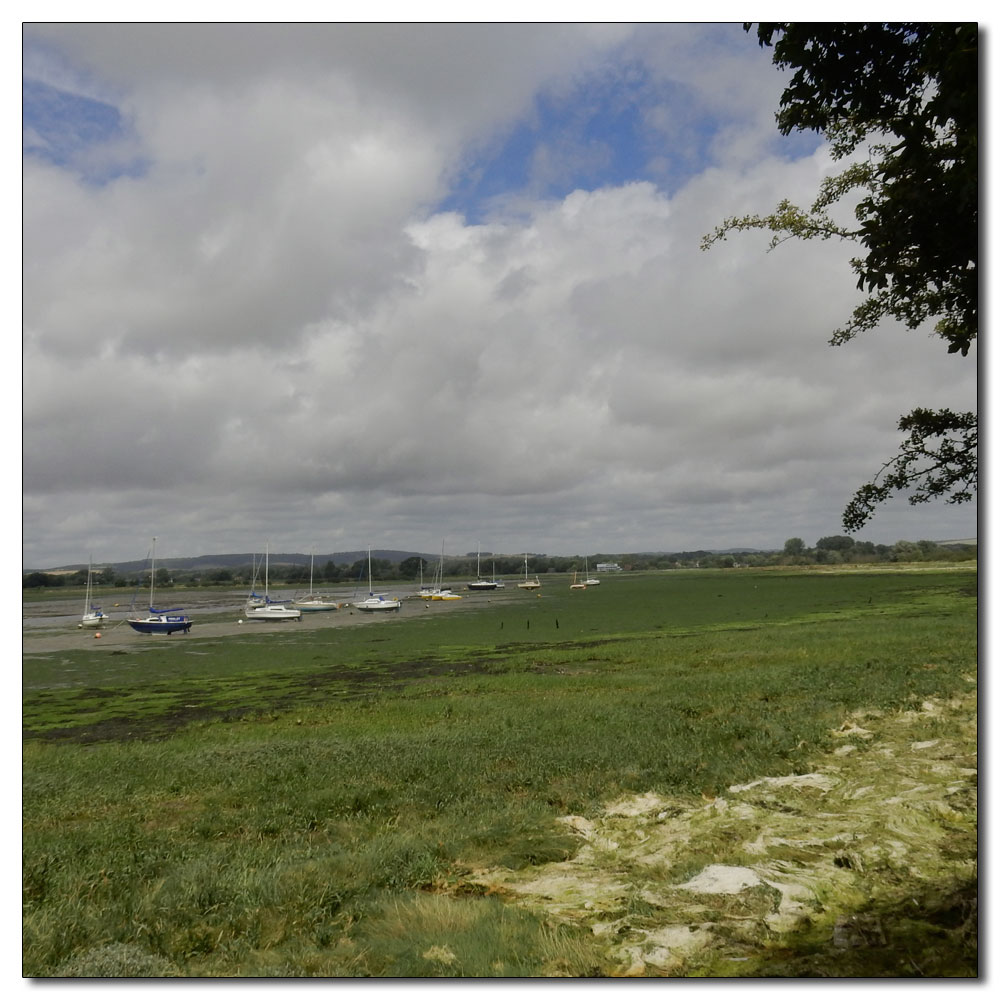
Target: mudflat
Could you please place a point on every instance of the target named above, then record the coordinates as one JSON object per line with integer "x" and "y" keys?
{"x": 53, "y": 625}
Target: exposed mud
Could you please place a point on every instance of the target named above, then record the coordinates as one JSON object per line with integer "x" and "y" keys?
{"x": 330, "y": 684}
{"x": 865, "y": 866}
{"x": 52, "y": 626}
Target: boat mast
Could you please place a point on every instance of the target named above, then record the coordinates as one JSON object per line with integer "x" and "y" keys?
{"x": 86, "y": 597}
{"x": 152, "y": 574}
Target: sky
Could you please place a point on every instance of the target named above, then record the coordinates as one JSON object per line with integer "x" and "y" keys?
{"x": 335, "y": 285}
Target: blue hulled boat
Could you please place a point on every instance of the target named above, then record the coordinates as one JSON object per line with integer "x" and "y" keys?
{"x": 159, "y": 622}
{"x": 162, "y": 622}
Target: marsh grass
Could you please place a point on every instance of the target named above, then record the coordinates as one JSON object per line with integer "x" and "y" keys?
{"x": 433, "y": 935}
{"x": 302, "y": 808}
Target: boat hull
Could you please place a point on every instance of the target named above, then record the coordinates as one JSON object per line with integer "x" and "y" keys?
{"x": 93, "y": 621}
{"x": 378, "y": 604}
{"x": 273, "y": 613}
{"x": 162, "y": 624}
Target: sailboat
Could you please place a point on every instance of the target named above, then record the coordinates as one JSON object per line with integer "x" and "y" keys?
{"x": 313, "y": 601}
{"x": 529, "y": 584}
{"x": 480, "y": 583}
{"x": 159, "y": 622}
{"x": 577, "y": 586}
{"x": 436, "y": 591}
{"x": 264, "y": 609}
{"x": 376, "y": 602}
{"x": 93, "y": 616}
{"x": 428, "y": 590}
{"x": 590, "y": 581}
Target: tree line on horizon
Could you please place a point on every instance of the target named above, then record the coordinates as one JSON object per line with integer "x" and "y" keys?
{"x": 829, "y": 550}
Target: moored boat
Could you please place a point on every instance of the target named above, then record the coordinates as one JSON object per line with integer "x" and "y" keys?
{"x": 93, "y": 616}
{"x": 159, "y": 621}
{"x": 263, "y": 609}
{"x": 271, "y": 611}
{"x": 479, "y": 583}
{"x": 313, "y": 601}
{"x": 436, "y": 591}
{"x": 376, "y": 602}
{"x": 527, "y": 584}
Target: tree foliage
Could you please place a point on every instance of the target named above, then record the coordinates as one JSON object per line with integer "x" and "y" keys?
{"x": 902, "y": 102}
{"x": 794, "y": 547}
{"x": 411, "y": 567}
{"x": 836, "y": 543}
{"x": 939, "y": 458}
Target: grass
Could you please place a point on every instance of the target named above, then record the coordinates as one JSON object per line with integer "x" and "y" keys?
{"x": 312, "y": 803}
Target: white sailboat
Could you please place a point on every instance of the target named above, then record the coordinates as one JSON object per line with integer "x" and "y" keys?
{"x": 590, "y": 581}
{"x": 427, "y": 590}
{"x": 577, "y": 586}
{"x": 159, "y": 622}
{"x": 263, "y": 609}
{"x": 436, "y": 591}
{"x": 93, "y": 616}
{"x": 527, "y": 584}
{"x": 480, "y": 583}
{"x": 376, "y": 602}
{"x": 313, "y": 601}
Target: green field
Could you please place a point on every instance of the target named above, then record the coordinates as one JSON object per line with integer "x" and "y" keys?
{"x": 345, "y": 801}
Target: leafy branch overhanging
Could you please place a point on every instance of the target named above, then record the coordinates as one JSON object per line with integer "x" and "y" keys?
{"x": 909, "y": 91}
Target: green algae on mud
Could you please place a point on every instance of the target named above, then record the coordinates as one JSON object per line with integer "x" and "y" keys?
{"x": 153, "y": 685}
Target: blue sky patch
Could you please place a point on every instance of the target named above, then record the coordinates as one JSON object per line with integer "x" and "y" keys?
{"x": 75, "y": 132}
{"x": 592, "y": 138}
{"x": 611, "y": 130}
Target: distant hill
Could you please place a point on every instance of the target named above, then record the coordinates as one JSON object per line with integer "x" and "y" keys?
{"x": 701, "y": 552}
{"x": 234, "y": 559}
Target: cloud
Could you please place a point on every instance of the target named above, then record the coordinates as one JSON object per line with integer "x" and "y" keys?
{"x": 275, "y": 330}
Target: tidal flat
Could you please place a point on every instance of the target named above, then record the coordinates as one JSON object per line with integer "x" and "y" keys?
{"x": 391, "y": 796}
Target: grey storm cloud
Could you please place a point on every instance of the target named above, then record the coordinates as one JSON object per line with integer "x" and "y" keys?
{"x": 270, "y": 328}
